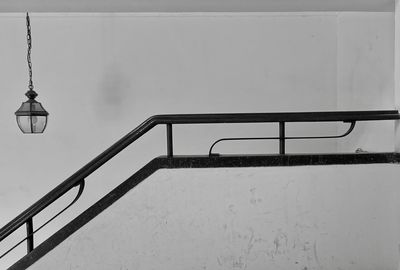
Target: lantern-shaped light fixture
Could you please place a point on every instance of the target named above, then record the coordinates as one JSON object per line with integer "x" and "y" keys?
{"x": 31, "y": 116}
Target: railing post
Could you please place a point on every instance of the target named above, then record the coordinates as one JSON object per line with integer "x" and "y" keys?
{"x": 29, "y": 234}
{"x": 282, "y": 138}
{"x": 170, "y": 151}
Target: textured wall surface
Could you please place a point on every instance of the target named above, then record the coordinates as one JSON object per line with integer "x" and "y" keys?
{"x": 194, "y": 6}
{"x": 100, "y": 75}
{"x": 321, "y": 217}
{"x": 365, "y": 50}
{"x": 397, "y": 69}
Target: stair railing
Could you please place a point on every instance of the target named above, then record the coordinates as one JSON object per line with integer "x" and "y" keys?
{"x": 78, "y": 178}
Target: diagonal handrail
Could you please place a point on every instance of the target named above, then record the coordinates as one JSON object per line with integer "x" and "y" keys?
{"x": 29, "y": 236}
{"x": 169, "y": 120}
{"x": 73, "y": 180}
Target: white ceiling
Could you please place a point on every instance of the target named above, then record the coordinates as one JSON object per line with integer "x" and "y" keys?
{"x": 194, "y": 5}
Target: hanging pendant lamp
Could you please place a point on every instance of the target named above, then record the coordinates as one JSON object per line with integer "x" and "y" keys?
{"x": 31, "y": 116}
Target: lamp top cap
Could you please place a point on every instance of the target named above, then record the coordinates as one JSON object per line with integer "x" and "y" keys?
{"x": 31, "y": 108}
{"x": 31, "y": 94}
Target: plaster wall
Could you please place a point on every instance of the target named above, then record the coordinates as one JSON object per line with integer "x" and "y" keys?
{"x": 195, "y": 6}
{"x": 396, "y": 71}
{"x": 100, "y": 75}
{"x": 321, "y": 217}
{"x": 365, "y": 77}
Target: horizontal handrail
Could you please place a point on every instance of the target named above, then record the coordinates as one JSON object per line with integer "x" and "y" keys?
{"x": 349, "y": 130}
{"x": 330, "y": 116}
{"x": 89, "y": 168}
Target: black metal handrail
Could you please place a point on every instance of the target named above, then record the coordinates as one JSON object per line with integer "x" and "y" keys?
{"x": 339, "y": 116}
{"x": 282, "y": 137}
{"x": 29, "y": 224}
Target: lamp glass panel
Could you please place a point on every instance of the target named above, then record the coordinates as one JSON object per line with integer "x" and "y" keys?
{"x": 32, "y": 124}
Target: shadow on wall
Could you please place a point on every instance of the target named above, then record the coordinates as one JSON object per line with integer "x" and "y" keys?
{"x": 112, "y": 93}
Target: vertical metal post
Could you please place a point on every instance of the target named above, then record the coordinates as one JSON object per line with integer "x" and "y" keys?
{"x": 170, "y": 151}
{"x": 29, "y": 234}
{"x": 282, "y": 138}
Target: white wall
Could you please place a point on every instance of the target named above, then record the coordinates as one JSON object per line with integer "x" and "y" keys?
{"x": 100, "y": 75}
{"x": 194, "y": 6}
{"x": 366, "y": 77}
{"x": 396, "y": 71}
{"x": 321, "y": 217}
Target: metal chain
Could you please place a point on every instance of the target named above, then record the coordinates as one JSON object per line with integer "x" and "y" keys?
{"x": 28, "y": 58}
